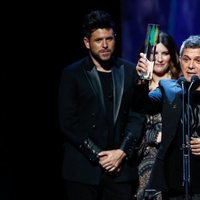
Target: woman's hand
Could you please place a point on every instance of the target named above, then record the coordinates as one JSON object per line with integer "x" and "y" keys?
{"x": 143, "y": 65}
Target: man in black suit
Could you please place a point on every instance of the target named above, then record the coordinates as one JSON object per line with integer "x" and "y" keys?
{"x": 176, "y": 171}
{"x": 97, "y": 118}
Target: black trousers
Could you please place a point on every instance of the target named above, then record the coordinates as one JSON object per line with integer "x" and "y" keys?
{"x": 107, "y": 190}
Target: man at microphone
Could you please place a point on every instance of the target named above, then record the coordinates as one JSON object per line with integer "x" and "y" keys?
{"x": 176, "y": 171}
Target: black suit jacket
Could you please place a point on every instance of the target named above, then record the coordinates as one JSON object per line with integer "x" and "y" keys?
{"x": 83, "y": 121}
{"x": 167, "y": 99}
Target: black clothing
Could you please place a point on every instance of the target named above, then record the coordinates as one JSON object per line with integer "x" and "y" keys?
{"x": 84, "y": 112}
{"x": 107, "y": 188}
{"x": 175, "y": 154}
{"x": 107, "y": 86}
{"x": 167, "y": 172}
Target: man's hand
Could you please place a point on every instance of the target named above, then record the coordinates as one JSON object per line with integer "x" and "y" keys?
{"x": 159, "y": 137}
{"x": 110, "y": 160}
{"x": 195, "y": 146}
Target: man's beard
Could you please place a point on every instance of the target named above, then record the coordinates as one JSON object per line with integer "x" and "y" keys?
{"x": 106, "y": 64}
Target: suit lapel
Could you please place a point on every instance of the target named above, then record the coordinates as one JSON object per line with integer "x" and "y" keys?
{"x": 95, "y": 84}
{"x": 171, "y": 124}
{"x": 118, "y": 88}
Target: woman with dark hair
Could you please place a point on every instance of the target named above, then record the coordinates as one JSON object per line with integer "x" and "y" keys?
{"x": 166, "y": 66}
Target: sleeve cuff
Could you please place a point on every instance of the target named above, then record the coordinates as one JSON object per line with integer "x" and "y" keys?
{"x": 128, "y": 145}
{"x": 90, "y": 150}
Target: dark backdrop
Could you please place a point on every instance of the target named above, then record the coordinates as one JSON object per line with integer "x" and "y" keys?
{"x": 179, "y": 18}
{"x": 39, "y": 40}
{"x": 49, "y": 38}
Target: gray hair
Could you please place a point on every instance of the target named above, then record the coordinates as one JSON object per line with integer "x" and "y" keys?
{"x": 192, "y": 42}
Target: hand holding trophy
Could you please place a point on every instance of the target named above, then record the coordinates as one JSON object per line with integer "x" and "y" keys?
{"x": 149, "y": 49}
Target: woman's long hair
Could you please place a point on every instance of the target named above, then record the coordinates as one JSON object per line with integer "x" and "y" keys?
{"x": 169, "y": 43}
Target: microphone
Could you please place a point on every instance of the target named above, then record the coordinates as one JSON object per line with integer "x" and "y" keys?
{"x": 195, "y": 82}
{"x": 181, "y": 80}
{"x": 194, "y": 78}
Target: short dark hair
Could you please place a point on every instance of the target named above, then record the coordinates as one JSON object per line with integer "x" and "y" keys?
{"x": 97, "y": 19}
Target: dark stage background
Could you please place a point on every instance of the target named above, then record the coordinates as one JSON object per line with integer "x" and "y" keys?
{"x": 45, "y": 37}
{"x": 48, "y": 37}
{"x": 179, "y": 18}
{"x": 64, "y": 46}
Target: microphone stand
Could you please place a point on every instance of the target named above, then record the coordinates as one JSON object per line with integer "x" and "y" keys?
{"x": 186, "y": 147}
{"x": 184, "y": 155}
{"x": 186, "y": 141}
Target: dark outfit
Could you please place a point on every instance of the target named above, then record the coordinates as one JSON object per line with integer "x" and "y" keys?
{"x": 175, "y": 157}
{"x": 147, "y": 153}
{"x": 167, "y": 173}
{"x": 94, "y": 116}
